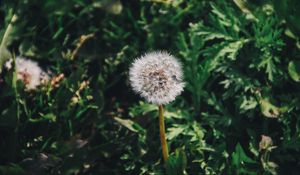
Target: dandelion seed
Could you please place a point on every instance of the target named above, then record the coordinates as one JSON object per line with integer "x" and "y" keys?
{"x": 29, "y": 72}
{"x": 157, "y": 77}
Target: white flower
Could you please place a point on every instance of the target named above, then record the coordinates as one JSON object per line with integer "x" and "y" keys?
{"x": 157, "y": 77}
{"x": 29, "y": 72}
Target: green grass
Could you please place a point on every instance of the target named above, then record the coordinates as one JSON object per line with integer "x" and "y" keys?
{"x": 241, "y": 67}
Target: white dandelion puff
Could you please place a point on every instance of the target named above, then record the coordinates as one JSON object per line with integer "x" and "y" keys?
{"x": 29, "y": 72}
{"x": 157, "y": 77}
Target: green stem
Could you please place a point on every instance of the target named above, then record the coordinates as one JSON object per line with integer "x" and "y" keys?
{"x": 163, "y": 140}
{"x": 14, "y": 146}
{"x": 3, "y": 45}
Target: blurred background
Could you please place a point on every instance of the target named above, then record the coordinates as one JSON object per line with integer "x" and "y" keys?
{"x": 66, "y": 106}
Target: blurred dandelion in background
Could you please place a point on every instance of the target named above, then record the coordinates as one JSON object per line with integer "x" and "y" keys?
{"x": 29, "y": 72}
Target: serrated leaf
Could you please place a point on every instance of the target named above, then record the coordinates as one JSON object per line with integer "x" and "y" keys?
{"x": 174, "y": 131}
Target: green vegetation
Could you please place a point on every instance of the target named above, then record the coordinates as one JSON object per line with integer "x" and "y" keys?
{"x": 238, "y": 114}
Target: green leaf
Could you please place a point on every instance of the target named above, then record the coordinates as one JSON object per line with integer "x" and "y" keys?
{"x": 6, "y": 39}
{"x": 176, "y": 163}
{"x": 294, "y": 70}
{"x": 47, "y": 117}
{"x": 174, "y": 131}
{"x": 129, "y": 124}
{"x": 240, "y": 159}
{"x": 270, "y": 110}
{"x": 12, "y": 169}
{"x": 288, "y": 9}
{"x": 239, "y": 156}
{"x": 26, "y": 48}
{"x": 50, "y": 117}
{"x": 8, "y": 117}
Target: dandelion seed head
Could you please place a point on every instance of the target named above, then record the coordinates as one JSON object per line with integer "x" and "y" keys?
{"x": 29, "y": 72}
{"x": 157, "y": 77}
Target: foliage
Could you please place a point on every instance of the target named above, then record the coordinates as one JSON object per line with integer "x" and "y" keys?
{"x": 241, "y": 64}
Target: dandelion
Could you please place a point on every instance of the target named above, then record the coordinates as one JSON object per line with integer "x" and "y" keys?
{"x": 29, "y": 72}
{"x": 157, "y": 77}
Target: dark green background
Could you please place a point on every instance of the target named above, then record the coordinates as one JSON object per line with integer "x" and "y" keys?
{"x": 241, "y": 67}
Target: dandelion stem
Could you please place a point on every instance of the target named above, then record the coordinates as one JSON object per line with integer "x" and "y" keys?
{"x": 163, "y": 140}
